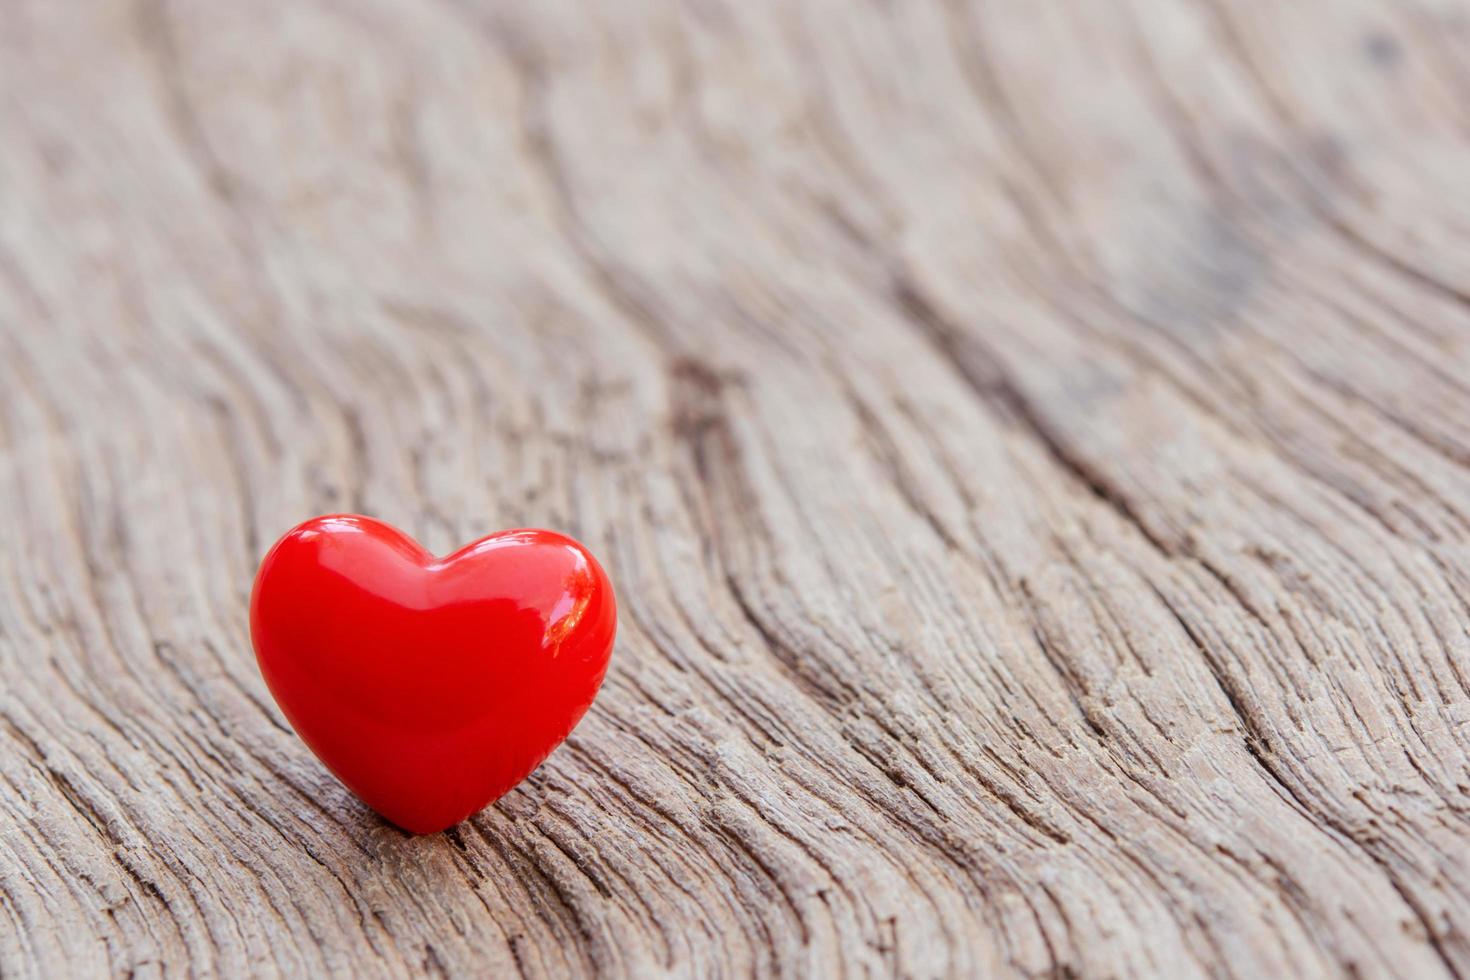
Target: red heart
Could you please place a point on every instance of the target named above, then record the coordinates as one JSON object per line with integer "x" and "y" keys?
{"x": 430, "y": 686}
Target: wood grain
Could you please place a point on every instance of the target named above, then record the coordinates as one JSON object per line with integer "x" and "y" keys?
{"x": 1031, "y": 442}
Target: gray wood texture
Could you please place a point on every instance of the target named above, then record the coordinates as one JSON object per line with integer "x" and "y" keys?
{"x": 1031, "y": 442}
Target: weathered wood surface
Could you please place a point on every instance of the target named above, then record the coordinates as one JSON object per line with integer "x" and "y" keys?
{"x": 1031, "y": 442}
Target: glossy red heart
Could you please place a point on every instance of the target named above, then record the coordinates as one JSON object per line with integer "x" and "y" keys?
{"x": 430, "y": 686}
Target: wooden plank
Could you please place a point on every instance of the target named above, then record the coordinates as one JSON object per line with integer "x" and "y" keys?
{"x": 1030, "y": 443}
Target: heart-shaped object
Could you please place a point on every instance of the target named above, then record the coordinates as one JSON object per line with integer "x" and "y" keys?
{"x": 430, "y": 686}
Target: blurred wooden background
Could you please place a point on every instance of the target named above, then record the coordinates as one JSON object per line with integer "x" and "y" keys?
{"x": 1031, "y": 441}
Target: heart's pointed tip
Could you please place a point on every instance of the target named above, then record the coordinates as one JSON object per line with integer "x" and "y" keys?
{"x": 423, "y": 830}
{"x": 428, "y": 827}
